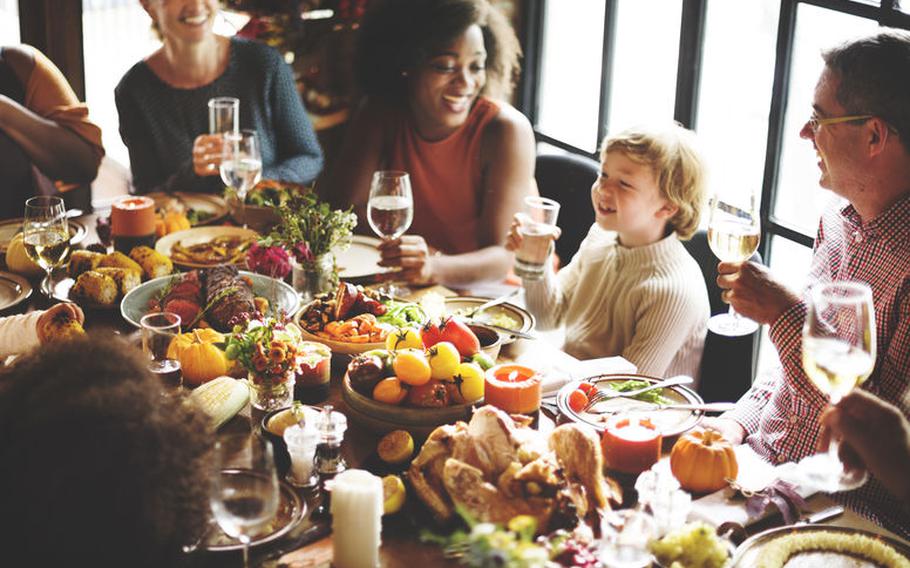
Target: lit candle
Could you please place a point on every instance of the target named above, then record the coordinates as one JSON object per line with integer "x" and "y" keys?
{"x": 513, "y": 388}
{"x": 356, "y": 519}
{"x": 133, "y": 222}
{"x": 631, "y": 445}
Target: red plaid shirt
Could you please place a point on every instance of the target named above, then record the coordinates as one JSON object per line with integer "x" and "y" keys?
{"x": 780, "y": 411}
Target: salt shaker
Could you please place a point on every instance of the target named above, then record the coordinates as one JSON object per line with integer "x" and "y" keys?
{"x": 331, "y": 427}
{"x": 301, "y": 442}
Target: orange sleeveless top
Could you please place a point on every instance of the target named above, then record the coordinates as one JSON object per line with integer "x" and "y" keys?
{"x": 445, "y": 178}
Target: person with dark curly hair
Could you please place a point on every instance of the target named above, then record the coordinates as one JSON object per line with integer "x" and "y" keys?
{"x": 435, "y": 75}
{"x": 97, "y": 468}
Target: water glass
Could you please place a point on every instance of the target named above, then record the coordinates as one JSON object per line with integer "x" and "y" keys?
{"x": 224, "y": 115}
{"x": 538, "y": 224}
{"x": 626, "y": 535}
{"x": 241, "y": 165}
{"x": 158, "y": 331}
{"x": 390, "y": 208}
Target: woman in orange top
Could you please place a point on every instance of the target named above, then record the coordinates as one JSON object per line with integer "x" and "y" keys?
{"x": 434, "y": 73}
{"x": 42, "y": 124}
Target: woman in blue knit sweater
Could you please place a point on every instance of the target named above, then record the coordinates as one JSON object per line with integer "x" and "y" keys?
{"x": 162, "y": 102}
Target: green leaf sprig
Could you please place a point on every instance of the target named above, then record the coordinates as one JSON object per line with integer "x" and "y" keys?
{"x": 305, "y": 219}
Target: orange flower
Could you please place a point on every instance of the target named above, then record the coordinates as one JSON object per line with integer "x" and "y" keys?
{"x": 276, "y": 355}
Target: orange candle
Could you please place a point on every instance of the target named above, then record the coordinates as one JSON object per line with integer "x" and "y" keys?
{"x": 513, "y": 388}
{"x": 133, "y": 216}
{"x": 631, "y": 445}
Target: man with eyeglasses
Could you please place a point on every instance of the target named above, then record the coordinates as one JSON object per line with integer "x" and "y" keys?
{"x": 859, "y": 127}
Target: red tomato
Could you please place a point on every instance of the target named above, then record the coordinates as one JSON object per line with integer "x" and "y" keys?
{"x": 460, "y": 335}
{"x": 587, "y": 388}
{"x": 430, "y": 334}
{"x": 578, "y": 400}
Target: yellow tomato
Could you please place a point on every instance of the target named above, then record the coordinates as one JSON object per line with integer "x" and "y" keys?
{"x": 389, "y": 391}
{"x": 444, "y": 360}
{"x": 411, "y": 366}
{"x": 469, "y": 379}
{"x": 405, "y": 338}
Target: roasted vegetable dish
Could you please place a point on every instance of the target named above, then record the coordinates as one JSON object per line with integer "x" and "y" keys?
{"x": 226, "y": 249}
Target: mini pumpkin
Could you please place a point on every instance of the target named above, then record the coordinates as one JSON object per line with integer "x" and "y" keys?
{"x": 200, "y": 359}
{"x": 702, "y": 461}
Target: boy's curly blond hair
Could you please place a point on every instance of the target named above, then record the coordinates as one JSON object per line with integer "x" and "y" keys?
{"x": 671, "y": 152}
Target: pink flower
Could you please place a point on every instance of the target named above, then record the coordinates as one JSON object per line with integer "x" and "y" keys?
{"x": 303, "y": 253}
{"x": 272, "y": 261}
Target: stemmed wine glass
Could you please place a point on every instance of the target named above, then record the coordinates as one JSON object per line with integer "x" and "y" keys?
{"x": 244, "y": 495}
{"x": 46, "y": 235}
{"x": 838, "y": 354}
{"x": 241, "y": 165}
{"x": 390, "y": 209}
{"x": 733, "y": 235}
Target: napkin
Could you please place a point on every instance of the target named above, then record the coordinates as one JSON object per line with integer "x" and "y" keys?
{"x": 559, "y": 368}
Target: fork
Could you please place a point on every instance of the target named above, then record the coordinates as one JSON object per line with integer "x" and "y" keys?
{"x": 695, "y": 407}
{"x": 602, "y": 395}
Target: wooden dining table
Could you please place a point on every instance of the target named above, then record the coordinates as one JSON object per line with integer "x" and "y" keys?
{"x": 401, "y": 544}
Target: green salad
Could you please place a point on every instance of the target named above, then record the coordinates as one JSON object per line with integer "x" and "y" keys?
{"x": 653, "y": 396}
{"x": 402, "y": 314}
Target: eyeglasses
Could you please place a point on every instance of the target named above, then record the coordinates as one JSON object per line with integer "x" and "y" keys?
{"x": 816, "y": 122}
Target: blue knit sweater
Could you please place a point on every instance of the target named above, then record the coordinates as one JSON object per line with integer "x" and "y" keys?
{"x": 158, "y": 123}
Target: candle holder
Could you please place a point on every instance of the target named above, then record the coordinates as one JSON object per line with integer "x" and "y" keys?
{"x": 514, "y": 389}
{"x": 631, "y": 444}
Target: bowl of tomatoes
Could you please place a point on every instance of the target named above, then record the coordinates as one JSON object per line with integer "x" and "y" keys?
{"x": 423, "y": 378}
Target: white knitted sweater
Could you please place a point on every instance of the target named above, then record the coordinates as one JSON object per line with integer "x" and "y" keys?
{"x": 18, "y": 334}
{"x": 648, "y": 304}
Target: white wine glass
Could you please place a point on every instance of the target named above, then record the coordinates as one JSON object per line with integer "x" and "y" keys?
{"x": 733, "y": 235}
{"x": 838, "y": 354}
{"x": 245, "y": 494}
{"x": 241, "y": 165}
{"x": 45, "y": 234}
{"x": 390, "y": 208}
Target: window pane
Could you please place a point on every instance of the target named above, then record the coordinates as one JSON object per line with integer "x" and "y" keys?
{"x": 735, "y": 91}
{"x": 800, "y": 200}
{"x": 643, "y": 88}
{"x": 9, "y": 21}
{"x": 570, "y": 72}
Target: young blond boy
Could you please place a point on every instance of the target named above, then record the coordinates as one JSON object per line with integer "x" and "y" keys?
{"x": 632, "y": 289}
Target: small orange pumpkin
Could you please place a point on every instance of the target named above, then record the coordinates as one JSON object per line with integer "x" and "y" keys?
{"x": 200, "y": 359}
{"x": 702, "y": 461}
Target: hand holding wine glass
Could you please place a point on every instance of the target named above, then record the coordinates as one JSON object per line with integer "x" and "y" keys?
{"x": 45, "y": 234}
{"x": 838, "y": 354}
{"x": 733, "y": 235}
{"x": 390, "y": 208}
{"x": 241, "y": 165}
{"x": 245, "y": 494}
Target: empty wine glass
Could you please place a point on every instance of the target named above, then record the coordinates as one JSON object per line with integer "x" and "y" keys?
{"x": 244, "y": 495}
{"x": 241, "y": 165}
{"x": 45, "y": 234}
{"x": 838, "y": 354}
{"x": 390, "y": 209}
{"x": 733, "y": 235}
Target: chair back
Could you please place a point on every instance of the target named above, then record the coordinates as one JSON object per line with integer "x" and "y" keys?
{"x": 567, "y": 178}
{"x": 727, "y": 364}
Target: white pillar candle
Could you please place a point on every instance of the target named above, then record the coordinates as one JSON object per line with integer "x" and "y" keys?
{"x": 356, "y": 519}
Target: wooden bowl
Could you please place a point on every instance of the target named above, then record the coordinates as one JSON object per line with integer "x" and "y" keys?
{"x": 383, "y": 418}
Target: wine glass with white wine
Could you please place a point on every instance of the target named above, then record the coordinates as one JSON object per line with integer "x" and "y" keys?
{"x": 241, "y": 165}
{"x": 45, "y": 234}
{"x": 838, "y": 354}
{"x": 245, "y": 493}
{"x": 733, "y": 235}
{"x": 390, "y": 208}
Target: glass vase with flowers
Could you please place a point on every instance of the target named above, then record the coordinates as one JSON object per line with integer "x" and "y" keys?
{"x": 269, "y": 350}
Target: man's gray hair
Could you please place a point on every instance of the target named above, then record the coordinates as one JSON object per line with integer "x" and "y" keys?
{"x": 874, "y": 74}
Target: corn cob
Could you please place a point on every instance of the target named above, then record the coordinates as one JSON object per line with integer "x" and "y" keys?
{"x": 62, "y": 327}
{"x": 221, "y": 399}
{"x": 117, "y": 259}
{"x": 125, "y": 278}
{"x": 83, "y": 261}
{"x": 153, "y": 263}
{"x": 95, "y": 287}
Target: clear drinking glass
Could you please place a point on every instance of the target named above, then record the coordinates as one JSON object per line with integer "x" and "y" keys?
{"x": 158, "y": 331}
{"x": 244, "y": 494}
{"x": 626, "y": 535}
{"x": 538, "y": 221}
{"x": 733, "y": 235}
{"x": 224, "y": 115}
{"x": 46, "y": 235}
{"x": 838, "y": 354}
{"x": 241, "y": 165}
{"x": 390, "y": 209}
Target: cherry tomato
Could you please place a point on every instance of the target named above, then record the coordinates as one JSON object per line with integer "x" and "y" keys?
{"x": 587, "y": 388}
{"x": 411, "y": 366}
{"x": 444, "y": 360}
{"x": 430, "y": 335}
{"x": 456, "y": 332}
{"x": 578, "y": 400}
{"x": 390, "y": 391}
{"x": 430, "y": 395}
{"x": 470, "y": 382}
{"x": 406, "y": 338}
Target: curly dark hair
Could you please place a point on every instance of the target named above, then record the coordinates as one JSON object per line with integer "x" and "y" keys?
{"x": 95, "y": 465}
{"x": 399, "y": 35}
